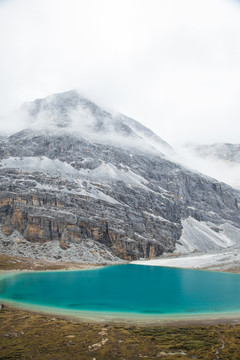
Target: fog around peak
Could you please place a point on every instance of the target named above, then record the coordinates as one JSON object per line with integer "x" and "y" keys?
{"x": 173, "y": 66}
{"x": 71, "y": 113}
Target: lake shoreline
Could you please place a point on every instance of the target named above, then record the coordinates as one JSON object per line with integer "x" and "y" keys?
{"x": 226, "y": 260}
{"x": 121, "y": 317}
{"x": 130, "y": 319}
{"x": 187, "y": 261}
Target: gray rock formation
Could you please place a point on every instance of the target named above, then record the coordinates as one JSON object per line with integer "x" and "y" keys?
{"x": 82, "y": 184}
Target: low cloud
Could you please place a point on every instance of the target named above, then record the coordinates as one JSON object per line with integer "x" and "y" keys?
{"x": 222, "y": 170}
{"x": 174, "y": 66}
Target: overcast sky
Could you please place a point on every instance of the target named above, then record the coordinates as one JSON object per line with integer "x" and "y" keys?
{"x": 173, "y": 65}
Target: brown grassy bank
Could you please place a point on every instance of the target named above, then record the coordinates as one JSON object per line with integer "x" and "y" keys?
{"x": 8, "y": 262}
{"x": 26, "y": 335}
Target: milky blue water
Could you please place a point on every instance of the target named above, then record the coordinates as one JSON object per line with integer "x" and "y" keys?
{"x": 127, "y": 289}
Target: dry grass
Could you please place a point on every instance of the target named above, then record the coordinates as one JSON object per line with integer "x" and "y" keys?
{"x": 8, "y": 262}
{"x": 27, "y": 335}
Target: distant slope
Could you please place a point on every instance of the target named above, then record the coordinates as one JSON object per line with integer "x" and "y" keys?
{"x": 220, "y": 161}
{"x": 220, "y": 151}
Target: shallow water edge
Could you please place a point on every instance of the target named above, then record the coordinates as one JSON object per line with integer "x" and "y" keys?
{"x": 232, "y": 317}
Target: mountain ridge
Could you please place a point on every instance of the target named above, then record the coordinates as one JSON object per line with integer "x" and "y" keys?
{"x": 72, "y": 195}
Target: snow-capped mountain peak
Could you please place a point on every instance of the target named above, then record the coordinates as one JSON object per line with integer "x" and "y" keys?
{"x": 70, "y": 111}
{"x": 92, "y": 184}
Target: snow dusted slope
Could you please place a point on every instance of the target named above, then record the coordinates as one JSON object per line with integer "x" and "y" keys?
{"x": 43, "y": 164}
{"x": 102, "y": 173}
{"x": 108, "y": 172}
{"x": 221, "y": 260}
{"x": 203, "y": 245}
{"x": 205, "y": 236}
{"x": 60, "y": 169}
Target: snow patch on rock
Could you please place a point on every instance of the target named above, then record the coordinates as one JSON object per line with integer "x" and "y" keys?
{"x": 219, "y": 260}
{"x": 56, "y": 168}
{"x": 89, "y": 191}
{"x": 107, "y": 171}
{"x": 205, "y": 236}
{"x": 214, "y": 246}
{"x": 41, "y": 164}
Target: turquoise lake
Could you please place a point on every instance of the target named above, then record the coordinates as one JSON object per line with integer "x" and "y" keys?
{"x": 127, "y": 289}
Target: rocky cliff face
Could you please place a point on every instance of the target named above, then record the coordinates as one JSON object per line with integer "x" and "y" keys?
{"x": 85, "y": 185}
